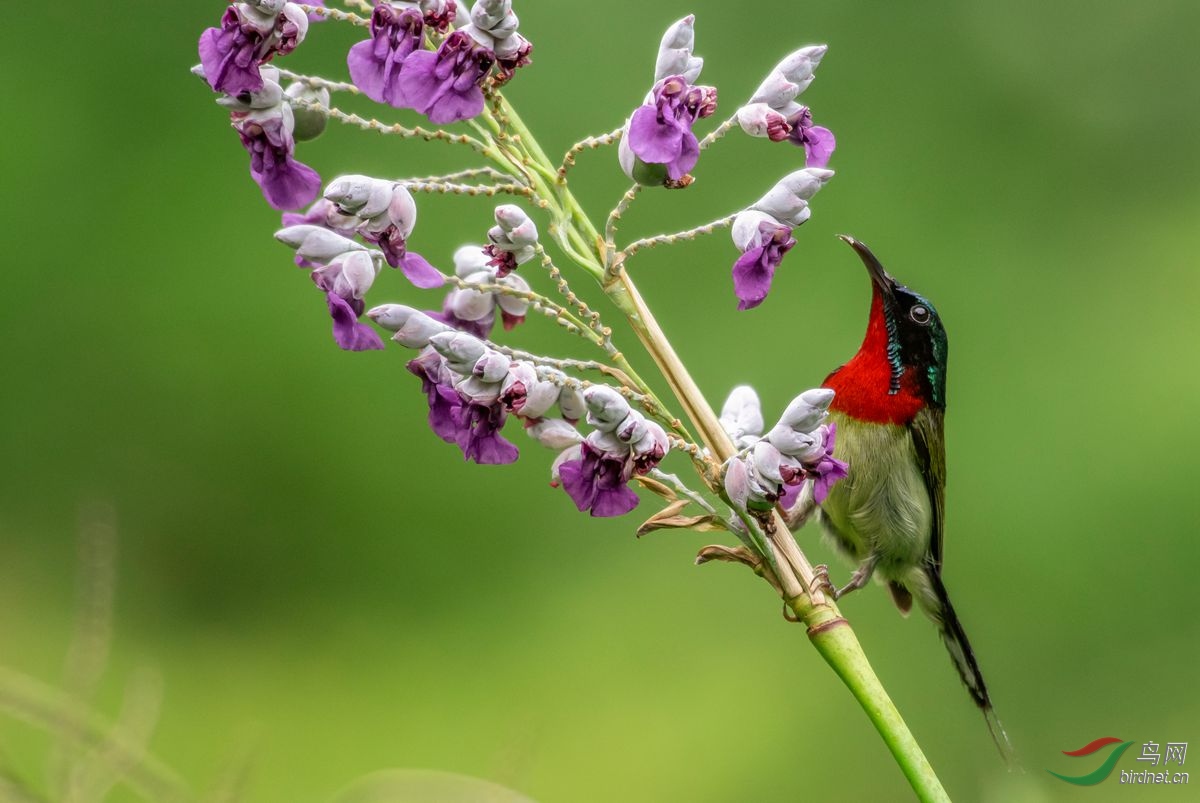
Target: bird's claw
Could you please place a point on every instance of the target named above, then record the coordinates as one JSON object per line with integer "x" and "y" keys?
{"x": 820, "y": 581}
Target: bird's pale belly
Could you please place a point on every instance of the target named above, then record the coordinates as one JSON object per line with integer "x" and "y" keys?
{"x": 883, "y": 506}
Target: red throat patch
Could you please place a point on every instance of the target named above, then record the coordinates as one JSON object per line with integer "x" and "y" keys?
{"x": 861, "y": 385}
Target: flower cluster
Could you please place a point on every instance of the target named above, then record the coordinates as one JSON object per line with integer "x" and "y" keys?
{"x": 773, "y": 467}
{"x": 393, "y": 67}
{"x": 473, "y": 309}
{"x": 381, "y": 212}
{"x": 512, "y": 241}
{"x": 596, "y": 472}
{"x": 763, "y": 232}
{"x": 342, "y": 269}
{"x": 471, "y": 388}
{"x": 658, "y": 147}
{"x": 774, "y": 113}
{"x": 251, "y": 34}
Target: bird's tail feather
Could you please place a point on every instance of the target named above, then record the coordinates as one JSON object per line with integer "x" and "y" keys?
{"x": 959, "y": 647}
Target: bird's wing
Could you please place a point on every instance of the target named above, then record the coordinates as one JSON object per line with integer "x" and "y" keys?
{"x": 929, "y": 441}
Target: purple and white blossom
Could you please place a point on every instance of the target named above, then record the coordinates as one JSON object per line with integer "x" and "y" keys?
{"x": 251, "y": 34}
{"x": 447, "y": 85}
{"x": 772, "y": 469}
{"x": 512, "y": 241}
{"x": 623, "y": 444}
{"x": 384, "y": 212}
{"x": 265, "y": 124}
{"x": 344, "y": 270}
{"x": 657, "y": 147}
{"x": 397, "y": 31}
{"x": 774, "y": 113}
{"x": 763, "y": 232}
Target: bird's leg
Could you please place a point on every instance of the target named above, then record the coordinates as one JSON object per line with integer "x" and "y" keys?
{"x": 861, "y": 576}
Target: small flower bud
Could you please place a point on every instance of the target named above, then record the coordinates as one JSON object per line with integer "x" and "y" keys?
{"x": 478, "y": 390}
{"x": 492, "y": 366}
{"x": 798, "y": 67}
{"x": 765, "y": 460}
{"x": 487, "y": 13}
{"x": 514, "y": 306}
{"x": 571, "y": 404}
{"x": 471, "y": 305}
{"x": 632, "y": 428}
{"x": 554, "y": 433}
{"x": 792, "y": 442}
{"x": 787, "y": 201}
{"x": 470, "y": 259}
{"x": 518, "y": 228}
{"x": 606, "y": 407}
{"x": 607, "y": 444}
{"x": 524, "y": 394}
{"x": 675, "y": 50}
{"x": 356, "y": 275}
{"x": 309, "y": 124}
{"x": 460, "y": 350}
{"x": 413, "y": 328}
{"x": 760, "y": 120}
{"x": 316, "y": 243}
{"x": 808, "y": 410}
{"x": 649, "y": 450}
{"x": 741, "y": 416}
{"x": 775, "y": 91}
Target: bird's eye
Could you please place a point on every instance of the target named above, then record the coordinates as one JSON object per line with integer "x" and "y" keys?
{"x": 919, "y": 314}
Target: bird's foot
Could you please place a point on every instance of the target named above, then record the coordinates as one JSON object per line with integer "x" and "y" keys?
{"x": 861, "y": 576}
{"x": 820, "y": 581}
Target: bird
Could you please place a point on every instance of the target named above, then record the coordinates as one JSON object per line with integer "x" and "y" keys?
{"x": 888, "y": 514}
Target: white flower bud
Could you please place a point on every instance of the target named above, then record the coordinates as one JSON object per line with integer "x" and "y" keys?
{"x": 798, "y": 67}
{"x": 510, "y": 46}
{"x": 606, "y": 407}
{"x": 765, "y": 460}
{"x": 760, "y": 120}
{"x": 554, "y": 433}
{"x": 632, "y": 427}
{"x": 469, "y": 259}
{"x": 571, "y": 404}
{"x": 653, "y": 442}
{"x": 524, "y": 235}
{"x": 746, "y": 226}
{"x": 350, "y": 193}
{"x": 413, "y": 328}
{"x": 460, "y": 350}
{"x": 402, "y": 210}
{"x": 487, "y": 13}
{"x": 492, "y": 366}
{"x": 316, "y": 243}
{"x": 480, "y": 36}
{"x": 775, "y": 91}
{"x": 791, "y": 442}
{"x": 607, "y": 443}
{"x": 808, "y": 410}
{"x": 471, "y": 305}
{"x": 505, "y": 28}
{"x": 540, "y": 396}
{"x": 675, "y": 50}
{"x": 266, "y": 7}
{"x": 478, "y": 390}
{"x": 741, "y": 416}
{"x": 356, "y": 276}
{"x": 514, "y": 305}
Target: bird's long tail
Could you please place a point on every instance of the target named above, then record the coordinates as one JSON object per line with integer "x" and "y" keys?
{"x": 959, "y": 647}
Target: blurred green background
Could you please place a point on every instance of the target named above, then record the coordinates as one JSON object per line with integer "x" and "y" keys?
{"x": 325, "y": 588}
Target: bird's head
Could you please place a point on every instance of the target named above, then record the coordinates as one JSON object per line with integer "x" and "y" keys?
{"x": 901, "y": 365}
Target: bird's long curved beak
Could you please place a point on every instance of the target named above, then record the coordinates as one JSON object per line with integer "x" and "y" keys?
{"x": 879, "y": 277}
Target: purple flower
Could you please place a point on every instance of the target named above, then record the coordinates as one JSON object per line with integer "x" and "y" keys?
{"x": 267, "y": 137}
{"x": 479, "y": 434}
{"x": 345, "y": 280}
{"x": 763, "y": 241}
{"x": 437, "y": 384}
{"x": 660, "y": 132}
{"x": 818, "y": 142}
{"x": 445, "y": 86}
{"x": 827, "y": 470}
{"x": 376, "y": 63}
{"x": 597, "y": 481}
{"x": 248, "y": 38}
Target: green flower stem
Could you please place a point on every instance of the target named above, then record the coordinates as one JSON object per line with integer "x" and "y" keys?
{"x": 829, "y": 632}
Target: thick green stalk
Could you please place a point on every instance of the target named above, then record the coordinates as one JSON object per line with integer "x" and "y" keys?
{"x": 829, "y": 632}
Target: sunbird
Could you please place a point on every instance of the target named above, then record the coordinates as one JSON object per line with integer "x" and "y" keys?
{"x": 888, "y": 514}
